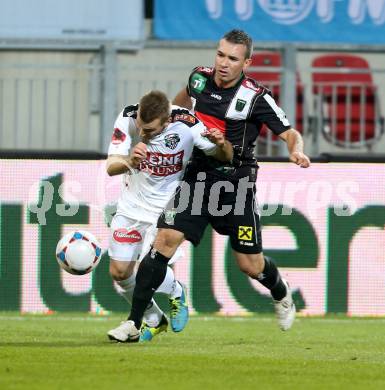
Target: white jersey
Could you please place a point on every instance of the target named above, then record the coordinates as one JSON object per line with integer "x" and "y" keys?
{"x": 147, "y": 190}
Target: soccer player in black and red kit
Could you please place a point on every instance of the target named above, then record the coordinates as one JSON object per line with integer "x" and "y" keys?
{"x": 224, "y": 98}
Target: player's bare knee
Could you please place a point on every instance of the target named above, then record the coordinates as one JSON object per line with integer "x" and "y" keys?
{"x": 167, "y": 241}
{"x": 250, "y": 264}
{"x": 120, "y": 270}
{"x": 257, "y": 266}
{"x": 118, "y": 274}
{"x": 248, "y": 269}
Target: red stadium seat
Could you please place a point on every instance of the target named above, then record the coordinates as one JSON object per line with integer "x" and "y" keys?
{"x": 272, "y": 80}
{"x": 346, "y": 100}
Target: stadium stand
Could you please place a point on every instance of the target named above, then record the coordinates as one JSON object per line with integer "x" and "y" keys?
{"x": 271, "y": 78}
{"x": 346, "y": 101}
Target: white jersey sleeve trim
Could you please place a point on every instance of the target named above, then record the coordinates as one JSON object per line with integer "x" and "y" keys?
{"x": 278, "y": 110}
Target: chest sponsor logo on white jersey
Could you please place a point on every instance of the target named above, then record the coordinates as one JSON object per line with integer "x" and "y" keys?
{"x": 215, "y": 96}
{"x": 160, "y": 164}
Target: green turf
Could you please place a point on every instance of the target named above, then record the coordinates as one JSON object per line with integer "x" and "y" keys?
{"x": 72, "y": 352}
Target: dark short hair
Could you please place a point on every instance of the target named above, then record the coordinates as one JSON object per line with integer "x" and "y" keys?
{"x": 240, "y": 37}
{"x": 154, "y": 105}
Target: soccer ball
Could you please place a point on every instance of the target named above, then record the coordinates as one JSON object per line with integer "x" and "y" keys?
{"x": 78, "y": 252}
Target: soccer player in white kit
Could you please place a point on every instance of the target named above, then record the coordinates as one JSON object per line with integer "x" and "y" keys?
{"x": 151, "y": 145}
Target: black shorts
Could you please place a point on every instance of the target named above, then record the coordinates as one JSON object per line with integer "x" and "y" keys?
{"x": 229, "y": 206}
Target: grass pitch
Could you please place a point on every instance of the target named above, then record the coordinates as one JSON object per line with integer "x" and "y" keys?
{"x": 71, "y": 351}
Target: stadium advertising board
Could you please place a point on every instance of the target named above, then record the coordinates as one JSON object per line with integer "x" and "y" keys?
{"x": 72, "y": 20}
{"x": 309, "y": 21}
{"x": 324, "y": 226}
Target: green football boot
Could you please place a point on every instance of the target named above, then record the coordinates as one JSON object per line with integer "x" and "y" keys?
{"x": 147, "y": 333}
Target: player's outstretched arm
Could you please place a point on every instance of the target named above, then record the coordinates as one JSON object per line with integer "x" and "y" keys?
{"x": 294, "y": 144}
{"x": 118, "y": 164}
{"x": 224, "y": 150}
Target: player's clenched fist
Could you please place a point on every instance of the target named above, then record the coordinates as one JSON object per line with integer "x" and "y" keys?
{"x": 300, "y": 159}
{"x": 215, "y": 136}
{"x": 138, "y": 154}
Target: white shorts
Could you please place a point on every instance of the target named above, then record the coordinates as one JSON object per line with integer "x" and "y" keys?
{"x": 130, "y": 239}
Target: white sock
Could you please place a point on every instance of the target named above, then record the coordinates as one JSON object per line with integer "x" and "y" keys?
{"x": 127, "y": 288}
{"x": 153, "y": 313}
{"x": 170, "y": 286}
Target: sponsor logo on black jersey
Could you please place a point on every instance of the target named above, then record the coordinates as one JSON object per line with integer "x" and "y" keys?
{"x": 171, "y": 140}
{"x": 198, "y": 82}
{"x": 205, "y": 69}
{"x": 250, "y": 83}
{"x": 240, "y": 105}
{"x": 215, "y": 96}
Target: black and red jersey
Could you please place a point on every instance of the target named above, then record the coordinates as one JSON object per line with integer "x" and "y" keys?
{"x": 239, "y": 112}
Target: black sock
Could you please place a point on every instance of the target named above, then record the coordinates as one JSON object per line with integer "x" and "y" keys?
{"x": 271, "y": 279}
{"x": 151, "y": 273}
